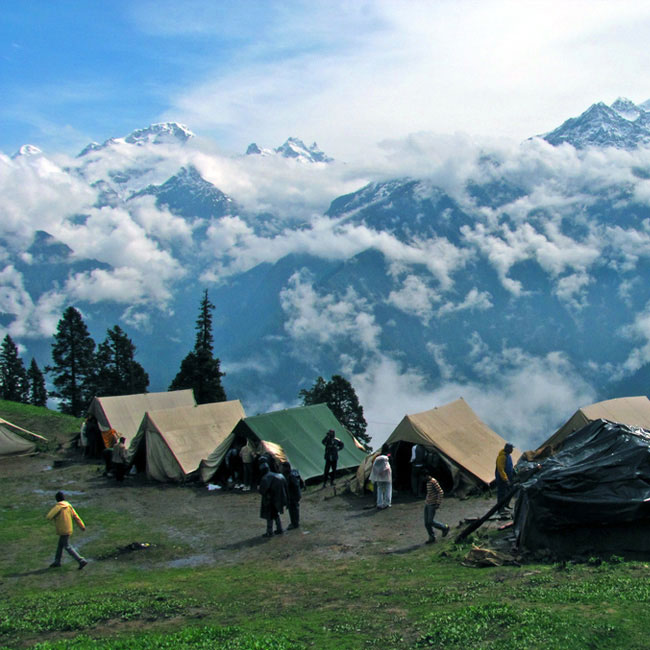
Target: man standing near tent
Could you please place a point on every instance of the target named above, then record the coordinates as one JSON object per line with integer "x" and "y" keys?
{"x": 273, "y": 488}
{"x": 504, "y": 474}
{"x": 63, "y": 515}
{"x": 332, "y": 447}
{"x": 119, "y": 459}
{"x": 418, "y": 453}
{"x": 294, "y": 493}
{"x": 432, "y": 502}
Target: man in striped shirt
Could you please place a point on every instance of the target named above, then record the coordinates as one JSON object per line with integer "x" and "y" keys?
{"x": 431, "y": 504}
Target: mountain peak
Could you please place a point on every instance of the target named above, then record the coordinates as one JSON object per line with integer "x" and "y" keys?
{"x": 293, "y": 148}
{"x": 27, "y": 150}
{"x": 161, "y": 132}
{"x": 623, "y": 125}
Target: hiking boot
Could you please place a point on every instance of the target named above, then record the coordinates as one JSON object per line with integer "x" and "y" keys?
{"x": 279, "y": 532}
{"x": 55, "y": 565}
{"x": 267, "y": 535}
{"x": 431, "y": 540}
{"x": 291, "y": 527}
{"x": 445, "y": 532}
{"x": 82, "y": 564}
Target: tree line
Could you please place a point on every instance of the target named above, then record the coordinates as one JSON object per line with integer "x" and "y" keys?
{"x": 81, "y": 369}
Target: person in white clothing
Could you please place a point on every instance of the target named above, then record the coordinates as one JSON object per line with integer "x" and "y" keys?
{"x": 381, "y": 476}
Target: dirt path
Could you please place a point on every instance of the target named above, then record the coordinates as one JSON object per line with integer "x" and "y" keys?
{"x": 225, "y": 527}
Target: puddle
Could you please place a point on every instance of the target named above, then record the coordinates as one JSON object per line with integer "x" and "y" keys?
{"x": 193, "y": 560}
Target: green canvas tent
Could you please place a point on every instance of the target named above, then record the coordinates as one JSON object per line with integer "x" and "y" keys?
{"x": 464, "y": 447}
{"x": 171, "y": 443}
{"x": 124, "y": 413}
{"x": 631, "y": 411}
{"x": 16, "y": 441}
{"x": 299, "y": 432}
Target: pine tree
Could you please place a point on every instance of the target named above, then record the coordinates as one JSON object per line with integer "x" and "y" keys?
{"x": 74, "y": 364}
{"x": 13, "y": 378}
{"x": 342, "y": 400}
{"x": 37, "y": 392}
{"x": 117, "y": 372}
{"x": 200, "y": 369}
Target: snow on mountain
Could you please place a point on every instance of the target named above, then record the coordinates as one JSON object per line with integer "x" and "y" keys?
{"x": 293, "y": 148}
{"x": 27, "y": 150}
{"x": 623, "y": 125}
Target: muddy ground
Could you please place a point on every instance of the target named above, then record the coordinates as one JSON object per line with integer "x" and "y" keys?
{"x": 217, "y": 526}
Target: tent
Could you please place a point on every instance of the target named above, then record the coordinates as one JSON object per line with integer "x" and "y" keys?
{"x": 299, "y": 432}
{"x": 124, "y": 413}
{"x": 171, "y": 443}
{"x": 13, "y": 441}
{"x": 592, "y": 495}
{"x": 633, "y": 411}
{"x": 462, "y": 448}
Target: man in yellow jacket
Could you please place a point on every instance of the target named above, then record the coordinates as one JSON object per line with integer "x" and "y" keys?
{"x": 63, "y": 515}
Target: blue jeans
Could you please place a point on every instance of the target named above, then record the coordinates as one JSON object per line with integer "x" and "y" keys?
{"x": 64, "y": 543}
{"x": 429, "y": 520}
{"x": 384, "y": 490}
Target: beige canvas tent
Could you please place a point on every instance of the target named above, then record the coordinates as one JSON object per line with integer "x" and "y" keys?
{"x": 632, "y": 411}
{"x": 16, "y": 441}
{"x": 171, "y": 443}
{"x": 124, "y": 413}
{"x": 464, "y": 448}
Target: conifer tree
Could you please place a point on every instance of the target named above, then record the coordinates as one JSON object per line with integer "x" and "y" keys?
{"x": 200, "y": 369}
{"x": 117, "y": 372}
{"x": 342, "y": 400}
{"x": 37, "y": 393}
{"x": 13, "y": 378}
{"x": 73, "y": 356}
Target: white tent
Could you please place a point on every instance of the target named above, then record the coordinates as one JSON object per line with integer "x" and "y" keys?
{"x": 173, "y": 442}
{"x": 124, "y": 413}
{"x": 16, "y": 441}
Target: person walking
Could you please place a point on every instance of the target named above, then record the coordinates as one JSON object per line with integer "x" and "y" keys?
{"x": 432, "y": 502}
{"x": 332, "y": 447}
{"x": 504, "y": 474}
{"x": 63, "y": 514}
{"x": 382, "y": 478}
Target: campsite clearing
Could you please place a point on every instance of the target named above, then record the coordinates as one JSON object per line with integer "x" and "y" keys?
{"x": 186, "y": 567}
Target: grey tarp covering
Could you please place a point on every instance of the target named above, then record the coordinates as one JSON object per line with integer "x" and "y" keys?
{"x": 633, "y": 411}
{"x": 124, "y": 413}
{"x": 13, "y": 440}
{"x": 593, "y": 495}
{"x": 177, "y": 440}
{"x": 465, "y": 443}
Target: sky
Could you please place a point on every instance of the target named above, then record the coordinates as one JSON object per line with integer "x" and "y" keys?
{"x": 346, "y": 74}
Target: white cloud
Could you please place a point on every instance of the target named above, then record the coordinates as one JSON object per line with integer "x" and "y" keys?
{"x": 327, "y": 319}
{"x": 524, "y": 399}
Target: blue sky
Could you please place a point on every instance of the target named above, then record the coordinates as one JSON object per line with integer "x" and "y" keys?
{"x": 346, "y": 74}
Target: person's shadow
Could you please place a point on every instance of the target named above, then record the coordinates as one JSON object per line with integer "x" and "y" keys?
{"x": 36, "y": 572}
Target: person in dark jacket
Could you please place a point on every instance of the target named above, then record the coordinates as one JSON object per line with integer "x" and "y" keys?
{"x": 332, "y": 447}
{"x": 273, "y": 488}
{"x": 294, "y": 493}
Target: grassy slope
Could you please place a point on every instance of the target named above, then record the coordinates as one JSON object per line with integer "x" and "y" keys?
{"x": 425, "y": 598}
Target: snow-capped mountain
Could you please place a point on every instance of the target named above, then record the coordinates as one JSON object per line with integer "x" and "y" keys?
{"x": 160, "y": 133}
{"x": 27, "y": 150}
{"x": 293, "y": 148}
{"x": 623, "y": 125}
{"x": 517, "y": 280}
